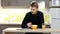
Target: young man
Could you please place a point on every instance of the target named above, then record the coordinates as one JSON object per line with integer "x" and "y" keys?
{"x": 34, "y": 17}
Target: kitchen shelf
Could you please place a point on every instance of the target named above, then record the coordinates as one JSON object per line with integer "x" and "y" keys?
{"x": 54, "y": 7}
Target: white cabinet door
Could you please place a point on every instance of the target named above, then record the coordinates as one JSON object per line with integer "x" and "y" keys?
{"x": 55, "y": 18}
{"x": 55, "y": 2}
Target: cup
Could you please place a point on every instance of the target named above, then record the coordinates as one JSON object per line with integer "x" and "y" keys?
{"x": 34, "y": 27}
{"x": 43, "y": 27}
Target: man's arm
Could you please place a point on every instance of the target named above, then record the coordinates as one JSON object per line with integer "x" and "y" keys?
{"x": 25, "y": 21}
{"x": 41, "y": 20}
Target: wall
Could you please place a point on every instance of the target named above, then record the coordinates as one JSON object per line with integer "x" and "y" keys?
{"x": 12, "y": 15}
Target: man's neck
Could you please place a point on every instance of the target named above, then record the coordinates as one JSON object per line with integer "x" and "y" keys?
{"x": 35, "y": 13}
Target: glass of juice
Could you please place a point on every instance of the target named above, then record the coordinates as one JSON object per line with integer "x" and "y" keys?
{"x": 43, "y": 26}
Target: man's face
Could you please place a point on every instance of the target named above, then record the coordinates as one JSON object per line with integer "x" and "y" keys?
{"x": 34, "y": 10}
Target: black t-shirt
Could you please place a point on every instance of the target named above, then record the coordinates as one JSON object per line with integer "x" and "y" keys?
{"x": 37, "y": 19}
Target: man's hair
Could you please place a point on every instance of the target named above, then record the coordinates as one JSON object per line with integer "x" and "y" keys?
{"x": 34, "y": 4}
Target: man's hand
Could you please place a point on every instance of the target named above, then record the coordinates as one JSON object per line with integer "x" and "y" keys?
{"x": 29, "y": 24}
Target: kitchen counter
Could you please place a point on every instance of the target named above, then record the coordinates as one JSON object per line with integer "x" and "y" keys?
{"x": 47, "y": 30}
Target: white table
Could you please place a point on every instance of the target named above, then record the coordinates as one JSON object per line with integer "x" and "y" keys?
{"x": 47, "y": 30}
